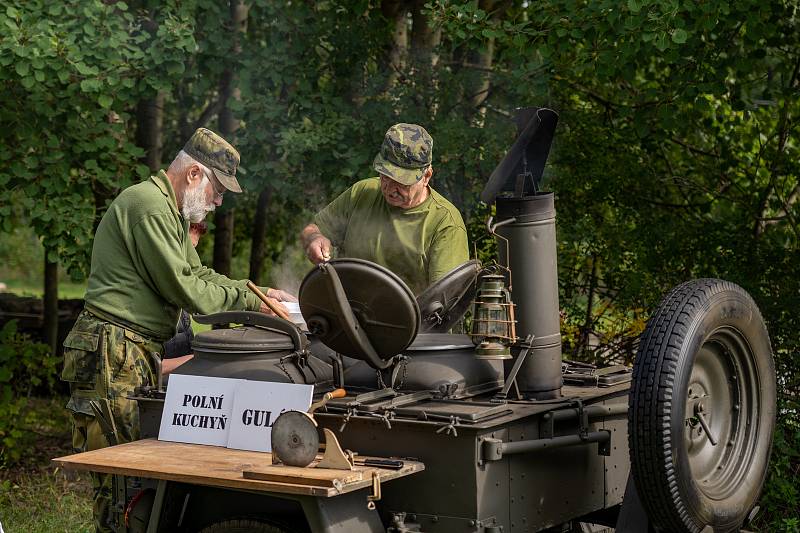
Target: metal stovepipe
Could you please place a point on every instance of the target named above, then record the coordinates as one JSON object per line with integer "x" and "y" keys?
{"x": 529, "y": 226}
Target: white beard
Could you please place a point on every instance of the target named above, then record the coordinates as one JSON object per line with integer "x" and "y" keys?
{"x": 194, "y": 207}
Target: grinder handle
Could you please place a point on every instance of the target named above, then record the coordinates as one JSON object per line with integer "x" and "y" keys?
{"x": 336, "y": 393}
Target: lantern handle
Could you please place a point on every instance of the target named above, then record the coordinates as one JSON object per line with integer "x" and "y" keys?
{"x": 491, "y": 228}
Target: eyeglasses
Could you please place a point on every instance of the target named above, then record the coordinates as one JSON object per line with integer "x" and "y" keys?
{"x": 213, "y": 181}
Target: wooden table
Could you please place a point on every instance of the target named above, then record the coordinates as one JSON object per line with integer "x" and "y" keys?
{"x": 214, "y": 466}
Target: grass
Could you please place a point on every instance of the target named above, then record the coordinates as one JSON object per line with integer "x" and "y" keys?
{"x": 46, "y": 502}
{"x": 66, "y": 289}
{"x": 36, "y": 497}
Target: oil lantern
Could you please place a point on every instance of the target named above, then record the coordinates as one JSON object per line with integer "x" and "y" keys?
{"x": 493, "y": 326}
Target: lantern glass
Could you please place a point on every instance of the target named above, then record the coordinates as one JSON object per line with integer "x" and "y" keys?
{"x": 492, "y": 323}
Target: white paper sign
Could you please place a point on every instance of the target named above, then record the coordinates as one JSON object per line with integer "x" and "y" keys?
{"x": 197, "y": 409}
{"x": 256, "y": 407}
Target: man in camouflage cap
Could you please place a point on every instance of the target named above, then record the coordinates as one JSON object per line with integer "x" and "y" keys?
{"x": 144, "y": 271}
{"x": 396, "y": 219}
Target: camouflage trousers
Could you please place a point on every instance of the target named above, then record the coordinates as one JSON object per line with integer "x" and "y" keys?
{"x": 103, "y": 363}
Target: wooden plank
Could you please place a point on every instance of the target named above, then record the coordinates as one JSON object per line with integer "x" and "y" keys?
{"x": 322, "y": 477}
{"x": 215, "y": 467}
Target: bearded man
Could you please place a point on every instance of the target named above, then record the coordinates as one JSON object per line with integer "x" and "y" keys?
{"x": 396, "y": 220}
{"x": 144, "y": 271}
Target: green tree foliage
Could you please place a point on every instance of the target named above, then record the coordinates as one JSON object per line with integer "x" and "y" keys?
{"x": 676, "y": 155}
{"x": 676, "y": 158}
{"x": 71, "y": 72}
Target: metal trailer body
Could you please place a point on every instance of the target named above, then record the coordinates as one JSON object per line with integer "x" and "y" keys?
{"x": 558, "y": 472}
{"x": 517, "y": 467}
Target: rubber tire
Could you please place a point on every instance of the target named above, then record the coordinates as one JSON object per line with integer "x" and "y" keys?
{"x": 242, "y": 525}
{"x": 700, "y": 314}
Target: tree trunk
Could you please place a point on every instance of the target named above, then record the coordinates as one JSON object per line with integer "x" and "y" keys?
{"x": 228, "y": 124}
{"x": 397, "y": 12}
{"x": 424, "y": 57}
{"x": 424, "y": 38}
{"x": 150, "y": 119}
{"x": 223, "y": 241}
{"x": 479, "y": 63}
{"x": 258, "y": 248}
{"x": 50, "y": 307}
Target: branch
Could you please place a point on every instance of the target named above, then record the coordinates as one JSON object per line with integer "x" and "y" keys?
{"x": 210, "y": 110}
{"x": 693, "y": 149}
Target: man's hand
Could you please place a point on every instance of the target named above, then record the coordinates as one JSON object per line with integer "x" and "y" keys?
{"x": 317, "y": 245}
{"x": 266, "y": 310}
{"x": 168, "y": 365}
{"x": 281, "y": 296}
{"x": 319, "y": 249}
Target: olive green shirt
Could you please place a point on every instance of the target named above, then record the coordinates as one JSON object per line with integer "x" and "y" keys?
{"x": 419, "y": 244}
{"x": 145, "y": 269}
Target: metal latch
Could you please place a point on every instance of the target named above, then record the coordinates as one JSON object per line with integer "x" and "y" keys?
{"x": 376, "y": 491}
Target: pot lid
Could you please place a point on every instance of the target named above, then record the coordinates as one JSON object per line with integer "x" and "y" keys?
{"x": 359, "y": 309}
{"x": 444, "y": 303}
{"x": 243, "y": 339}
{"x": 440, "y": 341}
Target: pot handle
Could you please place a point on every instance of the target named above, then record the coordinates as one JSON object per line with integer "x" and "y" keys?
{"x": 254, "y": 318}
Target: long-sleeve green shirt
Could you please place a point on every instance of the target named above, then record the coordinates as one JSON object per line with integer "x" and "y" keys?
{"x": 145, "y": 269}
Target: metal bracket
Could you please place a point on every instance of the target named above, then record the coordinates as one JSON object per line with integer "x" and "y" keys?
{"x": 386, "y": 417}
{"x": 334, "y": 457}
{"x": 512, "y": 376}
{"x": 583, "y": 419}
{"x": 350, "y": 412}
{"x": 450, "y": 428}
{"x": 376, "y": 491}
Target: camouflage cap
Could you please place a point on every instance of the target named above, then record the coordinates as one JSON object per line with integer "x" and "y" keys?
{"x": 405, "y": 153}
{"x": 216, "y": 153}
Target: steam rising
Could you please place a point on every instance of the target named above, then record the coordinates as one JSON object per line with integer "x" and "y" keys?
{"x": 288, "y": 273}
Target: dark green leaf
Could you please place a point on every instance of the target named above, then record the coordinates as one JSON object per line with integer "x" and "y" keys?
{"x": 679, "y": 36}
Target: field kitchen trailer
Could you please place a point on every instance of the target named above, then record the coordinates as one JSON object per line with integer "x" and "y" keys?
{"x": 490, "y": 433}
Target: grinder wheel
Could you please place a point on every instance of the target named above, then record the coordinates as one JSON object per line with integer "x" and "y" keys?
{"x": 295, "y": 440}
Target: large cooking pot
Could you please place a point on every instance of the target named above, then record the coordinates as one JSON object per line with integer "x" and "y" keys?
{"x": 262, "y": 348}
{"x": 437, "y": 362}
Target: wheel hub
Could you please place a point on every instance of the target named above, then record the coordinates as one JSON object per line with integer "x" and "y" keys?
{"x": 716, "y": 429}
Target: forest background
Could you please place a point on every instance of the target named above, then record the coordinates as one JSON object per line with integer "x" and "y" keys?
{"x": 676, "y": 154}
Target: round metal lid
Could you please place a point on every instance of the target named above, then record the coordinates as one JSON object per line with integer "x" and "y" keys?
{"x": 248, "y": 339}
{"x": 444, "y": 303}
{"x": 384, "y": 317}
{"x": 294, "y": 439}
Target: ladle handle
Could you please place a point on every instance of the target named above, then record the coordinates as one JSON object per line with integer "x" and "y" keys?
{"x": 269, "y": 303}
